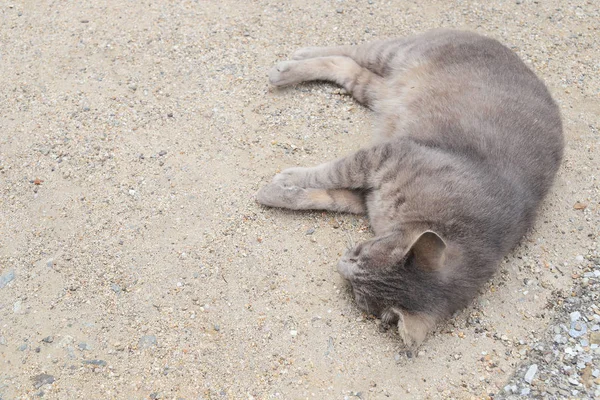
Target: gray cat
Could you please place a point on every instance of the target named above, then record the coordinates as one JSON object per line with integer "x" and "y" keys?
{"x": 467, "y": 145}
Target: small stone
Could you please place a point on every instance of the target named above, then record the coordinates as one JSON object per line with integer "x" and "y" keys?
{"x": 578, "y": 329}
{"x": 531, "y": 373}
{"x": 525, "y": 391}
{"x": 573, "y": 381}
{"x": 217, "y": 327}
{"x": 48, "y": 339}
{"x": 579, "y": 258}
{"x": 41, "y": 380}
{"x": 310, "y": 231}
{"x": 163, "y": 152}
{"x": 147, "y": 341}
{"x": 23, "y": 347}
{"x": 101, "y": 363}
{"x": 339, "y": 10}
{"x": 575, "y": 315}
{"x": 115, "y": 288}
{"x": 558, "y": 339}
{"x": 294, "y": 333}
{"x": 84, "y": 346}
{"x": 6, "y": 278}
{"x": 2, "y": 341}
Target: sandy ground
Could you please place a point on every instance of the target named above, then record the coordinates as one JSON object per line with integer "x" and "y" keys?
{"x": 134, "y": 261}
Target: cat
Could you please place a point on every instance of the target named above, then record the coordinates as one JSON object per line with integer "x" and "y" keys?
{"x": 467, "y": 144}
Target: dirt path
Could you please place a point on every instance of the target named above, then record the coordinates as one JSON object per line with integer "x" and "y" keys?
{"x": 134, "y": 262}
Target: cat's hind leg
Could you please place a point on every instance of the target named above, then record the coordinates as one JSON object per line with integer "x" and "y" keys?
{"x": 364, "y": 85}
{"x": 376, "y": 56}
{"x": 296, "y": 198}
{"x": 314, "y": 52}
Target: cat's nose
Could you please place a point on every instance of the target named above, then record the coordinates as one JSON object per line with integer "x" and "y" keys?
{"x": 347, "y": 267}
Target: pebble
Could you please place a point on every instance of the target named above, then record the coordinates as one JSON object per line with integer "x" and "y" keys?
{"x": 48, "y": 339}
{"x": 6, "y": 278}
{"x": 310, "y": 231}
{"x": 578, "y": 329}
{"x": 101, "y": 363}
{"x": 147, "y": 341}
{"x": 84, "y": 346}
{"x": 41, "y": 380}
{"x": 531, "y": 373}
{"x": 573, "y": 381}
{"x": 510, "y": 389}
{"x": 2, "y": 341}
{"x": 115, "y": 288}
{"x": 575, "y": 316}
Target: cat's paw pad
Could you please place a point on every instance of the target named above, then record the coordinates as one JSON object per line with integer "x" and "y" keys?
{"x": 304, "y": 53}
{"x": 279, "y": 75}
{"x": 290, "y": 177}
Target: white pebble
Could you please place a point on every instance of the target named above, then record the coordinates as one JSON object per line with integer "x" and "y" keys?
{"x": 575, "y": 315}
{"x": 531, "y": 373}
{"x": 573, "y": 381}
{"x": 579, "y": 258}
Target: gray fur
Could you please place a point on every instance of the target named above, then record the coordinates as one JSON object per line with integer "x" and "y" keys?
{"x": 467, "y": 146}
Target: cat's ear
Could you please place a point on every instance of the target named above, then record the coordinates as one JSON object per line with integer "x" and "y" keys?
{"x": 429, "y": 251}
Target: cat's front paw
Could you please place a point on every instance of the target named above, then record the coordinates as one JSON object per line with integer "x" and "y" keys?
{"x": 282, "y": 74}
{"x": 274, "y": 195}
{"x": 291, "y": 177}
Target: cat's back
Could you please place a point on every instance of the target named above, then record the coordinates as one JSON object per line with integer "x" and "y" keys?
{"x": 471, "y": 96}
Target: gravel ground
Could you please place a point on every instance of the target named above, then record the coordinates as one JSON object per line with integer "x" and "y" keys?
{"x": 134, "y": 262}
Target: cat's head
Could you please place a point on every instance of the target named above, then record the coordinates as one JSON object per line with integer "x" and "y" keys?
{"x": 398, "y": 279}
